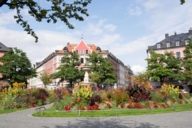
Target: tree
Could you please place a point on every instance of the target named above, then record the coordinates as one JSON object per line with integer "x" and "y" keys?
{"x": 182, "y": 1}
{"x": 187, "y": 63}
{"x": 16, "y": 67}
{"x": 46, "y": 79}
{"x": 68, "y": 69}
{"x": 164, "y": 67}
{"x": 101, "y": 70}
{"x": 50, "y": 11}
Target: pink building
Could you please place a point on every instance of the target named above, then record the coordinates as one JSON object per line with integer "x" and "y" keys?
{"x": 53, "y": 61}
{"x": 175, "y": 44}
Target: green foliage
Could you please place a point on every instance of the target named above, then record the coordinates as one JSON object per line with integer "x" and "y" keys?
{"x": 170, "y": 91}
{"x": 46, "y": 79}
{"x": 59, "y": 105}
{"x": 182, "y": 1}
{"x": 16, "y": 66}
{"x": 50, "y": 11}
{"x": 83, "y": 91}
{"x": 68, "y": 69}
{"x": 164, "y": 67}
{"x": 101, "y": 70}
{"x": 187, "y": 63}
{"x": 157, "y": 96}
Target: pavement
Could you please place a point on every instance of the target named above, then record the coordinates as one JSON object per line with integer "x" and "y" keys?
{"x": 24, "y": 119}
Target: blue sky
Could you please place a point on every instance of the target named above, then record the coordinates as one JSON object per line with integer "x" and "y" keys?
{"x": 125, "y": 27}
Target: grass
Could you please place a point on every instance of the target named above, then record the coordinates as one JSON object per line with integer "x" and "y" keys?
{"x": 7, "y": 111}
{"x": 112, "y": 112}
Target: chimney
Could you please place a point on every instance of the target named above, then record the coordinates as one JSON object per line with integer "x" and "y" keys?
{"x": 166, "y": 35}
{"x": 175, "y": 33}
{"x": 190, "y": 30}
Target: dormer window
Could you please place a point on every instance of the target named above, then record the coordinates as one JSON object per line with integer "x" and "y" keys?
{"x": 158, "y": 46}
{"x": 186, "y": 42}
{"x": 168, "y": 45}
{"x": 177, "y": 43}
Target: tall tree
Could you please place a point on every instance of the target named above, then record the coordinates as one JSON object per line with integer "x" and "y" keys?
{"x": 46, "y": 79}
{"x": 187, "y": 63}
{"x": 68, "y": 69}
{"x": 101, "y": 70}
{"x": 164, "y": 67}
{"x": 16, "y": 67}
{"x": 50, "y": 11}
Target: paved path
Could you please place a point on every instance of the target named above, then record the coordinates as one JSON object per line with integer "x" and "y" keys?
{"x": 24, "y": 119}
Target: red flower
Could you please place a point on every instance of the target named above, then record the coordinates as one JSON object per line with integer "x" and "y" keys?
{"x": 67, "y": 108}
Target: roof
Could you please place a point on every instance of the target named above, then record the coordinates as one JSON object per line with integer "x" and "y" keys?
{"x": 182, "y": 37}
{"x": 82, "y": 45}
{"x": 50, "y": 56}
{"x": 3, "y": 48}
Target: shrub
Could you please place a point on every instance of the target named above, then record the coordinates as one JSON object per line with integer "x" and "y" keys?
{"x": 94, "y": 99}
{"x": 41, "y": 96}
{"x": 103, "y": 95}
{"x": 59, "y": 105}
{"x": 157, "y": 96}
{"x": 61, "y": 92}
{"x": 169, "y": 91}
{"x": 8, "y": 102}
{"x": 83, "y": 91}
{"x": 120, "y": 96}
{"x": 138, "y": 93}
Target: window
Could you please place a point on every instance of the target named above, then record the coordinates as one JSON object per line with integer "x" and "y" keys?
{"x": 168, "y": 45}
{"x": 186, "y": 42}
{"x": 177, "y": 43}
{"x": 82, "y": 60}
{"x": 86, "y": 51}
{"x": 158, "y": 46}
{"x": 178, "y": 54}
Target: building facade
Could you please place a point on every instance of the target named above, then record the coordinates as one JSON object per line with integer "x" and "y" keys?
{"x": 174, "y": 43}
{"x": 50, "y": 64}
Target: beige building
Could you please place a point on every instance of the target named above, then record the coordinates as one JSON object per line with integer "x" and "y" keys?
{"x": 172, "y": 43}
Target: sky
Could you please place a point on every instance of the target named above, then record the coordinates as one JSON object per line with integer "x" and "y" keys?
{"x": 124, "y": 27}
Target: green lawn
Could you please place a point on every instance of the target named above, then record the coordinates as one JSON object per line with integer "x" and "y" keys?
{"x": 7, "y": 111}
{"x": 112, "y": 112}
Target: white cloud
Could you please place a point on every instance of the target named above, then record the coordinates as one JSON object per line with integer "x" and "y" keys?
{"x": 99, "y": 32}
{"x": 135, "y": 11}
{"x": 138, "y": 69}
{"x": 151, "y": 4}
{"x": 7, "y": 18}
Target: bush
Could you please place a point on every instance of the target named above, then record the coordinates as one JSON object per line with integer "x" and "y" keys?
{"x": 8, "y": 102}
{"x": 157, "y": 96}
{"x": 41, "y": 96}
{"x": 83, "y": 91}
{"x": 59, "y": 93}
{"x": 169, "y": 91}
{"x": 60, "y": 105}
{"x": 94, "y": 99}
{"x": 138, "y": 93}
{"x": 120, "y": 96}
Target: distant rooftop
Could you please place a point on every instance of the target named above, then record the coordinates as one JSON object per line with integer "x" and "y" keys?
{"x": 3, "y": 48}
{"x": 172, "y": 41}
